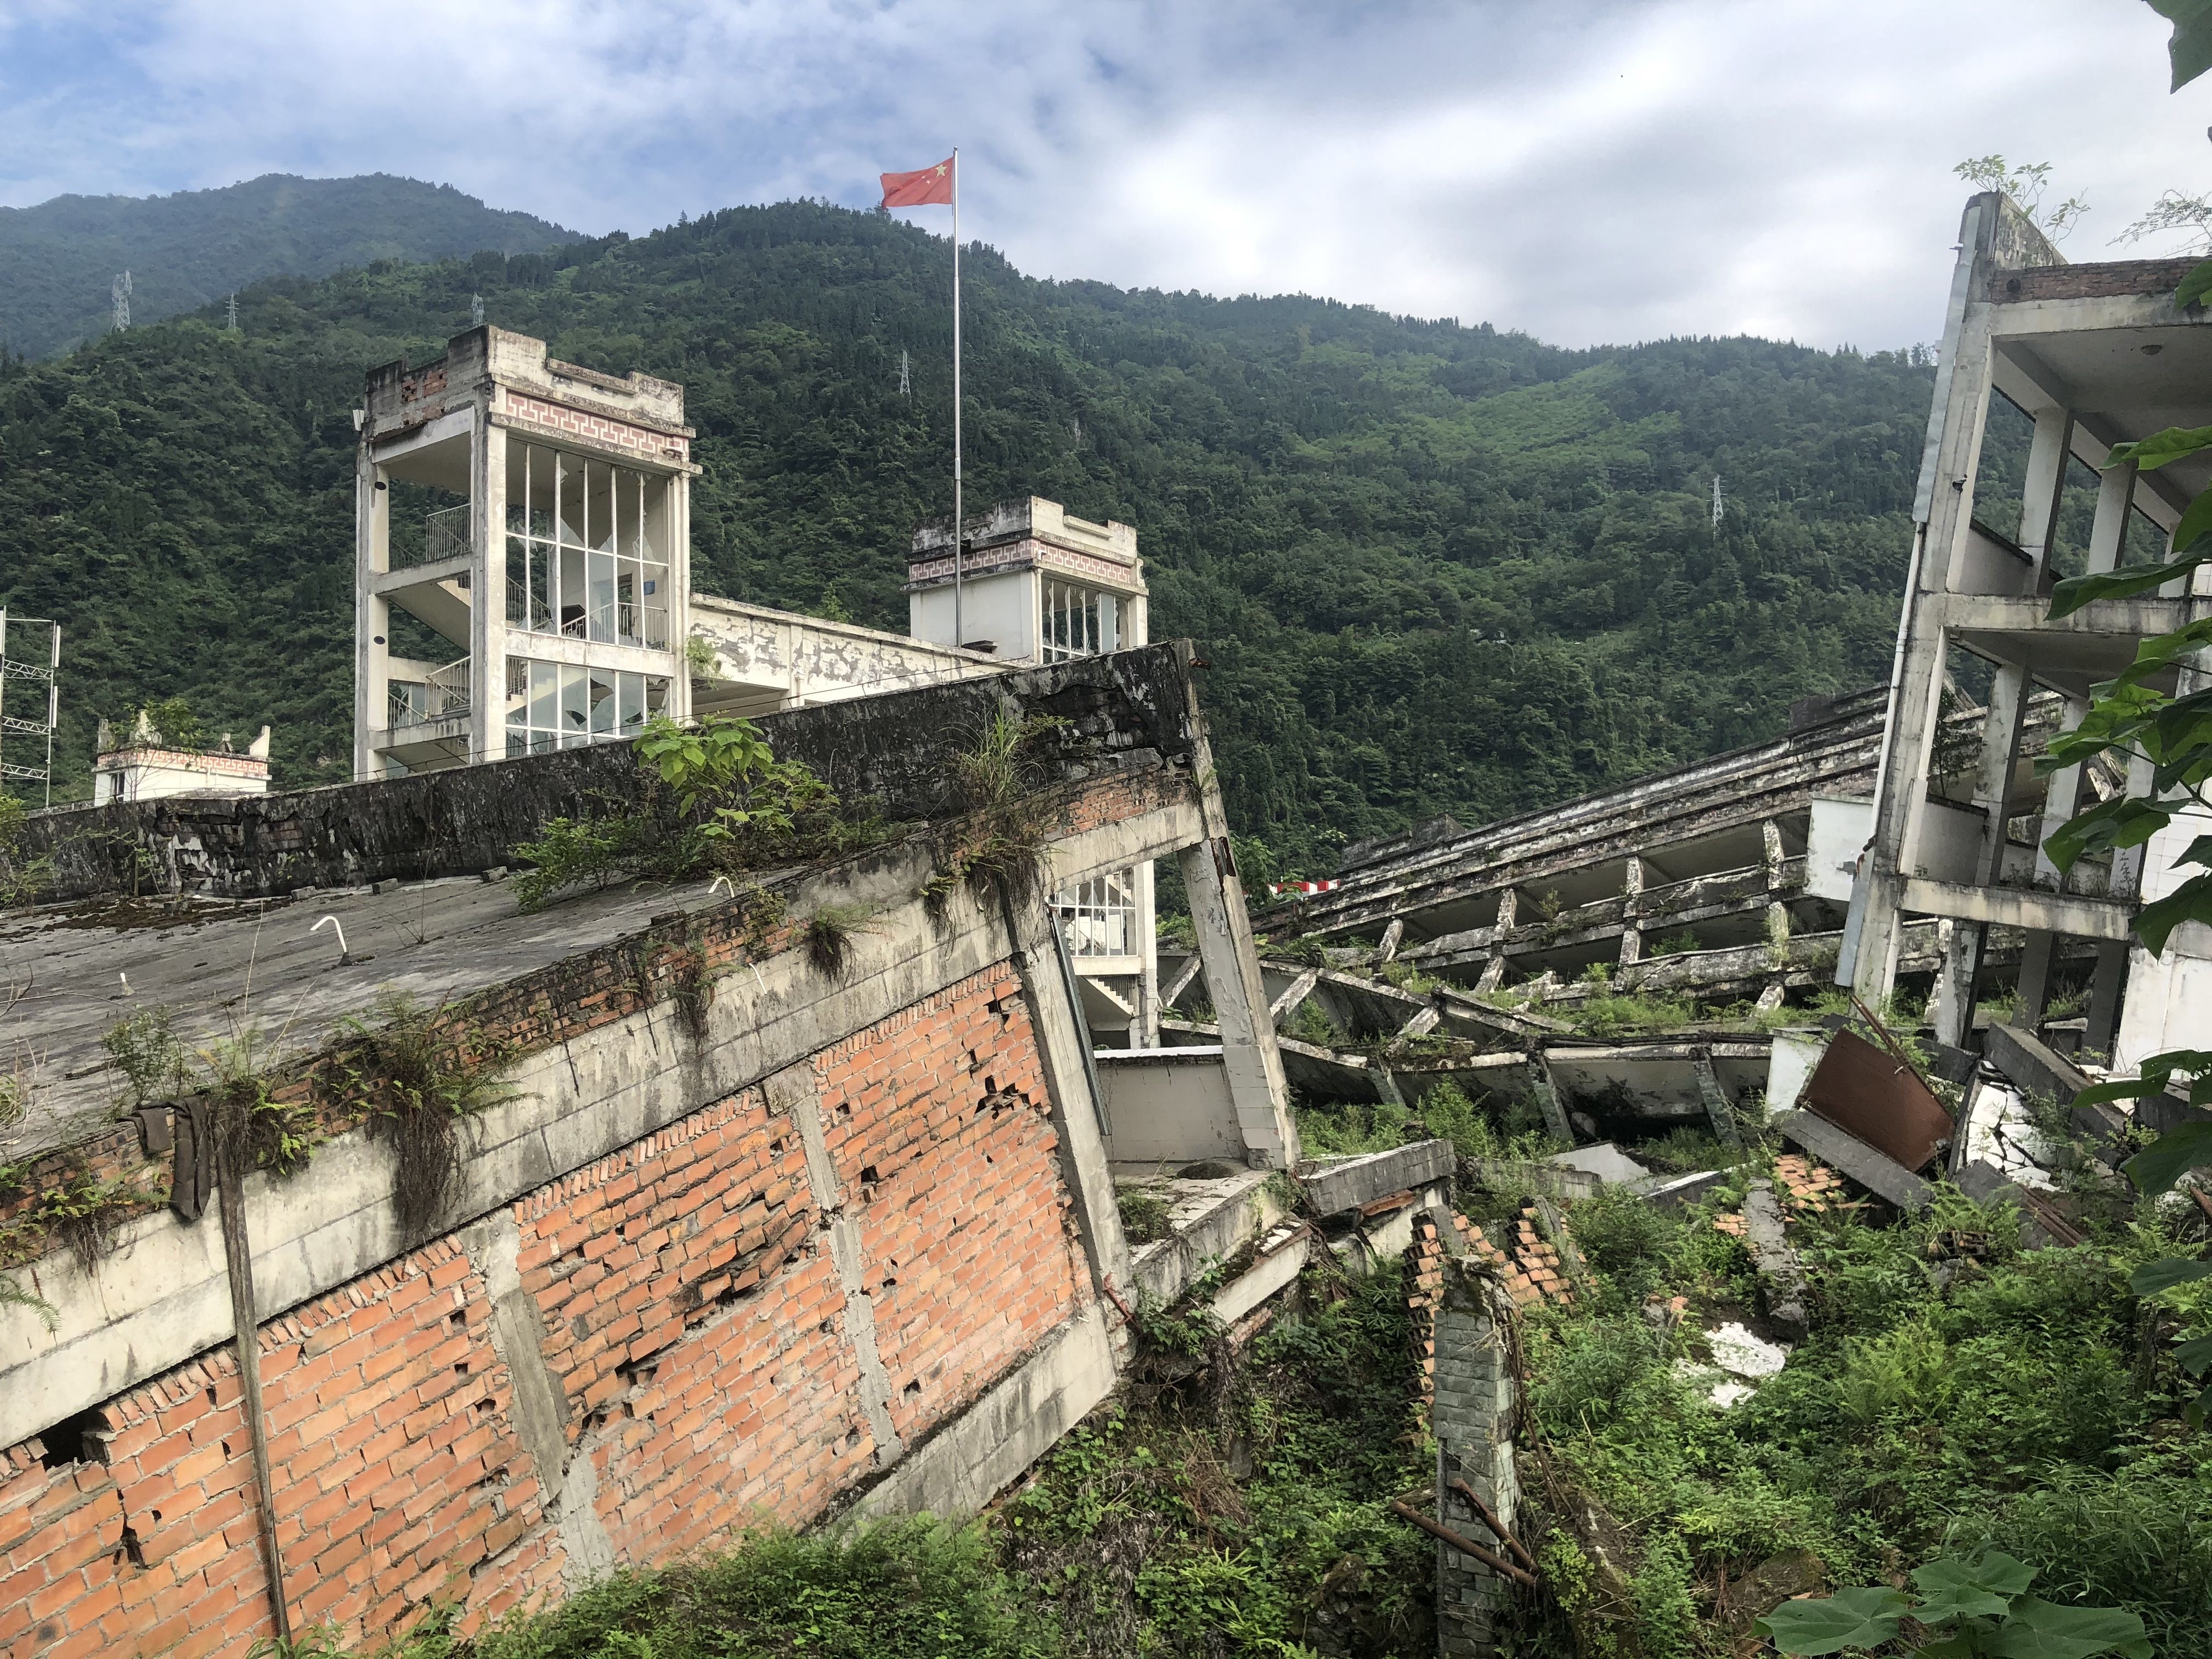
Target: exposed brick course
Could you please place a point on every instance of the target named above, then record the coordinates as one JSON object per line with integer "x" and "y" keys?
{"x": 689, "y": 1314}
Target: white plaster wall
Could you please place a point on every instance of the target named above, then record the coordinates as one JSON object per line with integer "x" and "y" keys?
{"x": 1840, "y": 830}
{"x": 1000, "y": 607}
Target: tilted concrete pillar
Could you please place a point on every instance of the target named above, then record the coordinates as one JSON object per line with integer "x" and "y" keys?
{"x": 1254, "y": 1064}
{"x": 2001, "y": 734}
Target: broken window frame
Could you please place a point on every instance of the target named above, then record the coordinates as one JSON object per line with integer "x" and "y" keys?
{"x": 590, "y": 560}
{"x": 557, "y": 705}
{"x": 1075, "y": 621}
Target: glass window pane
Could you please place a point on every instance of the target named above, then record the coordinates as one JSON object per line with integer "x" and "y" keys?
{"x": 545, "y": 695}
{"x": 656, "y": 694}
{"x": 601, "y": 600}
{"x": 603, "y": 700}
{"x": 575, "y": 705}
{"x": 633, "y": 702}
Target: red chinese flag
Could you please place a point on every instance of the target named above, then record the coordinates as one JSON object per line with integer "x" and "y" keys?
{"x": 924, "y": 187}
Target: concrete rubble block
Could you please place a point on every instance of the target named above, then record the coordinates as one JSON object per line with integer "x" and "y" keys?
{"x": 1526, "y": 1178}
{"x": 1878, "y": 1173}
{"x": 1782, "y": 1279}
{"x": 2035, "y": 1068}
{"x": 2041, "y": 1224}
{"x": 1604, "y": 1160}
{"x": 1673, "y": 1192}
{"x": 1356, "y": 1181}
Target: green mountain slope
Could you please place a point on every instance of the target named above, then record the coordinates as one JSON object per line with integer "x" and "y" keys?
{"x": 183, "y": 252}
{"x": 1434, "y": 568}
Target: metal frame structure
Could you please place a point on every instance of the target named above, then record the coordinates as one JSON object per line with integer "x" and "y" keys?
{"x": 15, "y": 668}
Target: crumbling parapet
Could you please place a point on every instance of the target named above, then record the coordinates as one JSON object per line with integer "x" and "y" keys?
{"x": 1473, "y": 1418}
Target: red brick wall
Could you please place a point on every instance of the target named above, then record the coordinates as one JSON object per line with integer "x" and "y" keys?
{"x": 690, "y": 1313}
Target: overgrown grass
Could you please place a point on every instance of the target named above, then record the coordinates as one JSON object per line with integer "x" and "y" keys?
{"x": 2010, "y": 1400}
{"x": 1245, "y": 1514}
{"x": 1338, "y": 1128}
{"x": 911, "y": 1589}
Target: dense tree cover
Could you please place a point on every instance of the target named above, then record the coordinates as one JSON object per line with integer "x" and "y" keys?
{"x": 1434, "y": 568}
{"x": 57, "y": 259}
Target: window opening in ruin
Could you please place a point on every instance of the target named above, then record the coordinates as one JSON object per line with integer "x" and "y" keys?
{"x": 1100, "y": 915}
{"x": 1077, "y": 621}
{"x": 555, "y": 705}
{"x": 587, "y": 549}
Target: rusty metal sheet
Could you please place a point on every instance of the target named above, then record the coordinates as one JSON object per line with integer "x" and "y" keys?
{"x": 1875, "y": 1095}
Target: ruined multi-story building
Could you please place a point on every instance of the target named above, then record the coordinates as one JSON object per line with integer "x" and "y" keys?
{"x": 2094, "y": 355}
{"x": 568, "y": 492}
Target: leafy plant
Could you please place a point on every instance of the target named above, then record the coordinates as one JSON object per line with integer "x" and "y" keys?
{"x": 145, "y": 1048}
{"x": 996, "y": 840}
{"x": 13, "y": 1295}
{"x": 717, "y": 800}
{"x": 1969, "y": 1608}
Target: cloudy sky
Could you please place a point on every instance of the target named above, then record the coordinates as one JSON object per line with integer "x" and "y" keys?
{"x": 1585, "y": 171}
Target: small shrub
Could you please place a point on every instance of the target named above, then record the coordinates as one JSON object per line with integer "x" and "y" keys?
{"x": 144, "y": 1047}
{"x": 1144, "y": 1214}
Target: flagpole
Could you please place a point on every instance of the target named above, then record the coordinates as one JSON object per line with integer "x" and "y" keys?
{"x": 959, "y": 541}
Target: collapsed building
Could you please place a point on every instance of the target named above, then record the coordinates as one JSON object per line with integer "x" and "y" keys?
{"x": 770, "y": 1199}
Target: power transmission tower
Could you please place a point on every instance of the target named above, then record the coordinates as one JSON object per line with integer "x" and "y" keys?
{"x": 475, "y": 311}
{"x": 906, "y": 384}
{"x": 1720, "y": 500}
{"x": 119, "y": 291}
{"x": 233, "y": 324}
{"x": 32, "y": 675}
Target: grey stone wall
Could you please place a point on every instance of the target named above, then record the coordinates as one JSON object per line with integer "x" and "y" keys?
{"x": 1473, "y": 1415}
{"x": 900, "y": 748}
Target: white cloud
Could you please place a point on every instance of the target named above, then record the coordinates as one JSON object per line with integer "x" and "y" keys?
{"x": 1582, "y": 170}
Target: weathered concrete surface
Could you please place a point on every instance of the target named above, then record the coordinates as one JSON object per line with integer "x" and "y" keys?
{"x": 898, "y": 747}
{"x": 1355, "y": 1180}
{"x": 984, "y": 1450}
{"x": 1168, "y": 1105}
{"x": 1781, "y": 1278}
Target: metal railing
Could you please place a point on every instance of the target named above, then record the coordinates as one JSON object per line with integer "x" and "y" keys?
{"x": 442, "y": 696}
{"x": 445, "y": 536}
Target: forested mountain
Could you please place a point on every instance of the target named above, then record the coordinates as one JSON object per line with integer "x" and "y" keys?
{"x": 57, "y": 260}
{"x": 1434, "y": 568}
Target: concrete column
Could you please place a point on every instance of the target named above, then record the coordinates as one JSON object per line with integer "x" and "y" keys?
{"x": 1076, "y": 1114}
{"x": 1869, "y": 963}
{"x": 1943, "y": 510}
{"x": 1145, "y": 1030}
{"x": 2001, "y": 734}
{"x": 1254, "y": 1064}
{"x": 488, "y": 590}
{"x": 1493, "y": 971}
{"x": 371, "y": 612}
{"x": 2104, "y": 989}
{"x": 679, "y": 598}
{"x": 2108, "y": 534}
{"x": 2047, "y": 454}
{"x": 2062, "y": 796}
{"x": 1632, "y": 912}
{"x": 1472, "y": 1417}
{"x": 1387, "y": 949}
{"x": 1777, "y": 913}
